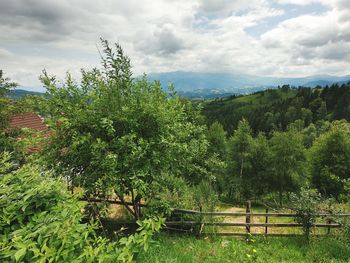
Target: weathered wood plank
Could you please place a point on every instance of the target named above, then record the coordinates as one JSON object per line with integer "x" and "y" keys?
{"x": 173, "y": 223}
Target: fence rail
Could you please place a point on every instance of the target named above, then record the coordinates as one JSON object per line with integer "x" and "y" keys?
{"x": 198, "y": 226}
{"x": 248, "y": 215}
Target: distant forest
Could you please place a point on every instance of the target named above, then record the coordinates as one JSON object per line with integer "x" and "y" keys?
{"x": 275, "y": 109}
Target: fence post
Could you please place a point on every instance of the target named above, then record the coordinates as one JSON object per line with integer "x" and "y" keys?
{"x": 266, "y": 220}
{"x": 328, "y": 228}
{"x": 247, "y": 216}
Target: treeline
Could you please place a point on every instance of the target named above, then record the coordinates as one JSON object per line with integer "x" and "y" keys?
{"x": 274, "y": 166}
{"x": 275, "y": 109}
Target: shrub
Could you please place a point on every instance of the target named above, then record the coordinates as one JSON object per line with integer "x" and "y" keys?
{"x": 40, "y": 221}
{"x": 306, "y": 205}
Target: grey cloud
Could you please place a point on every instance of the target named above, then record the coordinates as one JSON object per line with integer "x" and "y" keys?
{"x": 336, "y": 51}
{"x": 164, "y": 41}
{"x": 162, "y": 35}
{"x": 343, "y": 4}
{"x": 49, "y": 20}
{"x": 35, "y": 15}
{"x": 307, "y": 53}
{"x": 315, "y": 40}
{"x": 5, "y": 54}
{"x": 225, "y": 7}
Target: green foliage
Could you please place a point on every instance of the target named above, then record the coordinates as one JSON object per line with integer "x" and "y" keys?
{"x": 6, "y": 108}
{"x": 205, "y": 197}
{"x": 260, "y": 175}
{"x": 257, "y": 166}
{"x": 41, "y": 222}
{"x": 183, "y": 249}
{"x": 330, "y": 160}
{"x": 217, "y": 151}
{"x": 217, "y": 140}
{"x": 141, "y": 239}
{"x": 240, "y": 146}
{"x": 271, "y": 110}
{"x": 116, "y": 135}
{"x": 6, "y": 105}
{"x": 288, "y": 159}
{"x": 9, "y": 137}
{"x": 306, "y": 205}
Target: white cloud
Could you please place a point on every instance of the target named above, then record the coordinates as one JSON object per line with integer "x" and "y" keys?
{"x": 161, "y": 35}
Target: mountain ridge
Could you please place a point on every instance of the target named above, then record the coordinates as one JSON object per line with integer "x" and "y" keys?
{"x": 203, "y": 85}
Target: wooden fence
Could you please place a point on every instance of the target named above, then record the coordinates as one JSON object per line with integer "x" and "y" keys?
{"x": 197, "y": 227}
{"x": 248, "y": 225}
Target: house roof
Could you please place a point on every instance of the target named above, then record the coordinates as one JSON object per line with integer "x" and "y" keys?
{"x": 28, "y": 120}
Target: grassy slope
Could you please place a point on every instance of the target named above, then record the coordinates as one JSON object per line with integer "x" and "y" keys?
{"x": 173, "y": 248}
{"x": 182, "y": 248}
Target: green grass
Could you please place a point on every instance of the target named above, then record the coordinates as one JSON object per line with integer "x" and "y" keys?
{"x": 179, "y": 248}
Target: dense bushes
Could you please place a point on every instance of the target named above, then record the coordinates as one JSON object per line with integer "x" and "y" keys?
{"x": 41, "y": 222}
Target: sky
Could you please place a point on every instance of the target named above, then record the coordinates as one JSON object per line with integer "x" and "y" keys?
{"x": 281, "y": 38}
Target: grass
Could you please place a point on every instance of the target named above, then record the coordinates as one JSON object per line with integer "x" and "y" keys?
{"x": 180, "y": 248}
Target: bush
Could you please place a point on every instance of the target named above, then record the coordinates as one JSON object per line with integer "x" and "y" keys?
{"x": 41, "y": 222}
{"x": 306, "y": 205}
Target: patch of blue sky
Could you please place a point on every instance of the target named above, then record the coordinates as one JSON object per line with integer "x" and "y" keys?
{"x": 203, "y": 22}
{"x": 290, "y": 11}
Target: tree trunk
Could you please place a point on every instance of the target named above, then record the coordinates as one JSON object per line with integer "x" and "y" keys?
{"x": 128, "y": 207}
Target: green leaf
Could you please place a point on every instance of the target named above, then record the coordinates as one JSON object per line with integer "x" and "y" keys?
{"x": 20, "y": 254}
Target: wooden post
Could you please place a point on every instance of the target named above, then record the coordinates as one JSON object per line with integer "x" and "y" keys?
{"x": 266, "y": 220}
{"x": 247, "y": 218}
{"x": 328, "y": 228}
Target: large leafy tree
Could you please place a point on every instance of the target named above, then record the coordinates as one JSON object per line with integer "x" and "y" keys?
{"x": 116, "y": 136}
{"x": 288, "y": 162}
{"x": 330, "y": 160}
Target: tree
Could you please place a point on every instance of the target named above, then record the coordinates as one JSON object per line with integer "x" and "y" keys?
{"x": 330, "y": 160}
{"x": 287, "y": 161}
{"x": 5, "y": 102}
{"x": 217, "y": 139}
{"x": 260, "y": 159}
{"x": 6, "y": 109}
{"x": 116, "y": 136}
{"x": 240, "y": 146}
{"x": 218, "y": 150}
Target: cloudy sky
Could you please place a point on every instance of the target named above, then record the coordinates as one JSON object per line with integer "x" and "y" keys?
{"x": 259, "y": 37}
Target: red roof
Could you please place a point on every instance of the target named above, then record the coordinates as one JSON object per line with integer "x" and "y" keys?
{"x": 28, "y": 120}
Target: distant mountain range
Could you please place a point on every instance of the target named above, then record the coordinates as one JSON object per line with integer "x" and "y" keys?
{"x": 19, "y": 93}
{"x": 209, "y": 85}
{"x": 196, "y": 85}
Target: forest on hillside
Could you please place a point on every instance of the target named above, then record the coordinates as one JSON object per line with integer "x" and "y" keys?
{"x": 114, "y": 137}
{"x": 276, "y": 109}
